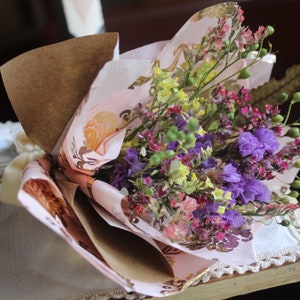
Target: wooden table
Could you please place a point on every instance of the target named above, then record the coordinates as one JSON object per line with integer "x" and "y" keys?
{"x": 234, "y": 285}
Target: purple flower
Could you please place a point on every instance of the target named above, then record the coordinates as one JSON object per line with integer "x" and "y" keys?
{"x": 231, "y": 174}
{"x": 199, "y": 213}
{"x": 258, "y": 144}
{"x": 208, "y": 163}
{"x": 132, "y": 158}
{"x": 267, "y": 138}
{"x": 202, "y": 142}
{"x": 236, "y": 189}
{"x": 233, "y": 181}
{"x": 179, "y": 122}
{"x": 121, "y": 176}
{"x": 234, "y": 218}
{"x": 255, "y": 190}
{"x": 172, "y": 145}
{"x": 249, "y": 145}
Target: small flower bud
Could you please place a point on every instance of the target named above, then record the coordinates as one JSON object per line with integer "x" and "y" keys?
{"x": 244, "y": 74}
{"x": 263, "y": 52}
{"x": 293, "y": 132}
{"x": 168, "y": 154}
{"x": 189, "y": 140}
{"x": 297, "y": 164}
{"x": 296, "y": 184}
{"x": 285, "y": 199}
{"x": 190, "y": 81}
{"x": 285, "y": 223}
{"x": 192, "y": 124}
{"x": 148, "y": 192}
{"x": 296, "y": 97}
{"x": 254, "y": 47}
{"x": 294, "y": 194}
{"x": 170, "y": 137}
{"x": 270, "y": 29}
{"x": 171, "y": 134}
{"x": 231, "y": 116}
{"x": 283, "y": 97}
{"x": 180, "y": 135}
{"x": 277, "y": 119}
{"x": 226, "y": 43}
{"x": 155, "y": 159}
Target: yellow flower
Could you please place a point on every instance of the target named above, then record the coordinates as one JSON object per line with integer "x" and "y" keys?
{"x": 205, "y": 73}
{"x": 221, "y": 210}
{"x": 181, "y": 95}
{"x": 218, "y": 194}
{"x": 191, "y": 185}
{"x": 208, "y": 183}
{"x": 178, "y": 172}
{"x": 227, "y": 196}
{"x": 200, "y": 131}
{"x": 221, "y": 195}
{"x": 163, "y": 95}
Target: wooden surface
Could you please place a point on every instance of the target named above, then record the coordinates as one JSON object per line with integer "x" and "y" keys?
{"x": 234, "y": 285}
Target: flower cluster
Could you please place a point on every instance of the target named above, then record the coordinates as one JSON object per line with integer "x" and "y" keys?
{"x": 196, "y": 159}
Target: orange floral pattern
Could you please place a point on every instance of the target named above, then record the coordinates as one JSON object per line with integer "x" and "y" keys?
{"x": 103, "y": 125}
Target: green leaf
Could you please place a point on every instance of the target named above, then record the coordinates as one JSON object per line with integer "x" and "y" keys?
{"x": 270, "y": 92}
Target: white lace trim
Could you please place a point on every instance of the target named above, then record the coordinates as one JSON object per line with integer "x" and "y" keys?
{"x": 264, "y": 261}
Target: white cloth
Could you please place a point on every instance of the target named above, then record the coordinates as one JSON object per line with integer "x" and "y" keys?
{"x": 36, "y": 264}
{"x": 16, "y": 150}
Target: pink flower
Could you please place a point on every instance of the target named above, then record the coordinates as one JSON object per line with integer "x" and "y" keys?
{"x": 188, "y": 206}
{"x": 259, "y": 33}
{"x": 220, "y": 33}
{"x": 220, "y": 235}
{"x": 140, "y": 210}
{"x": 174, "y": 203}
{"x": 240, "y": 14}
{"x": 174, "y": 231}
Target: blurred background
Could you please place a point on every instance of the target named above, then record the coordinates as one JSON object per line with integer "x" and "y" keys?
{"x": 28, "y": 24}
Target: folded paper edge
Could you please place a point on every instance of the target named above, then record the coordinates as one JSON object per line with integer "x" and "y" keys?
{"x": 46, "y": 85}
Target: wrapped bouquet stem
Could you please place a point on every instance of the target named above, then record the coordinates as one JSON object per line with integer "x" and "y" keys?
{"x": 175, "y": 151}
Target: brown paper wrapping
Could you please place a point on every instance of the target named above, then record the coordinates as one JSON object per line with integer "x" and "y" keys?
{"x": 47, "y": 84}
{"x": 45, "y": 87}
{"x": 129, "y": 255}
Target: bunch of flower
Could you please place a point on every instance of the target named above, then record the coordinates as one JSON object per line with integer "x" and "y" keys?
{"x": 195, "y": 160}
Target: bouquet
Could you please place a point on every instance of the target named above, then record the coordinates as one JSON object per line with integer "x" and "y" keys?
{"x": 194, "y": 156}
{"x": 181, "y": 154}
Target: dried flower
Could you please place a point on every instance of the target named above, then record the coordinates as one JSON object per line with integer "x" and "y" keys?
{"x": 196, "y": 162}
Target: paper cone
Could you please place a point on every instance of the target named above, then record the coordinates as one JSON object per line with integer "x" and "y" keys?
{"x": 47, "y": 84}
